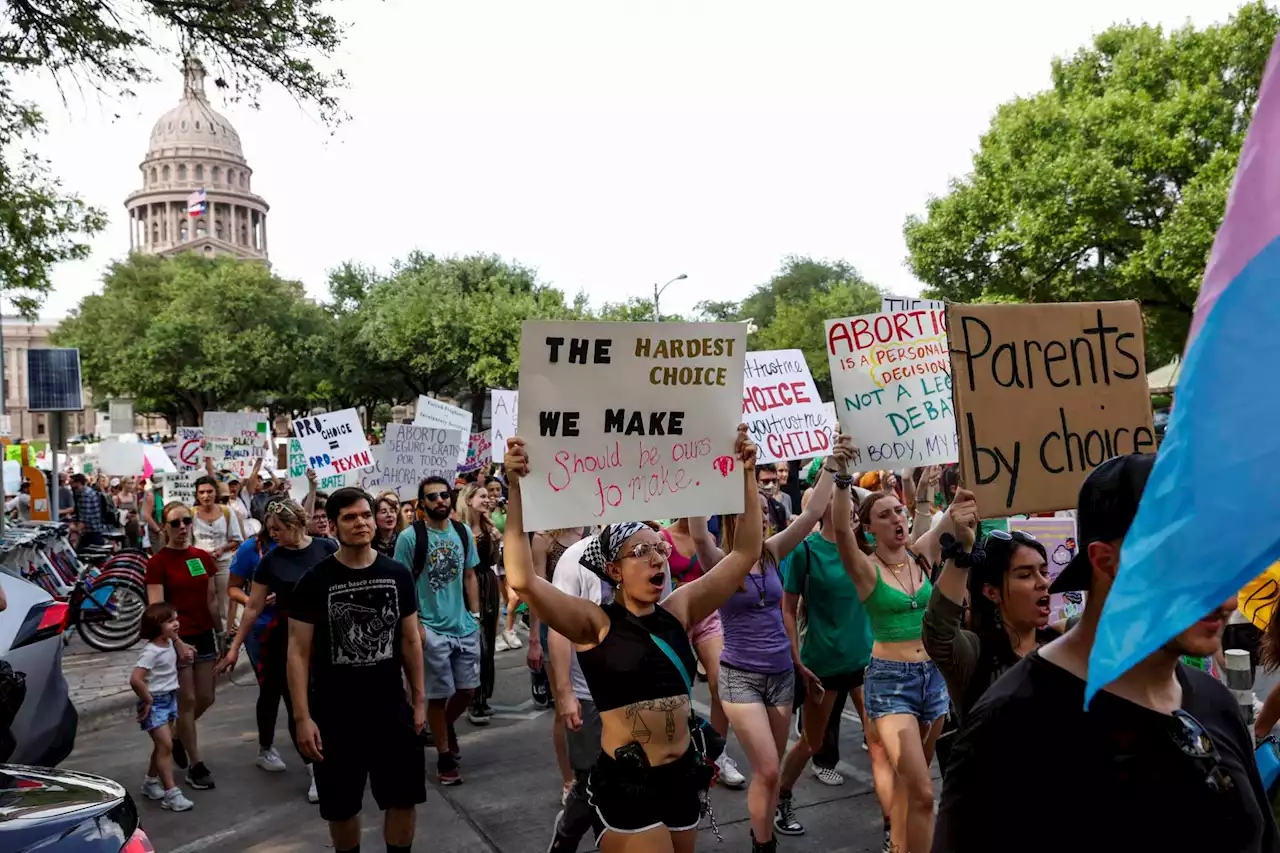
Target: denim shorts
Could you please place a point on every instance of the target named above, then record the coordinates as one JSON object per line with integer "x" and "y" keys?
{"x": 905, "y": 687}
{"x": 452, "y": 663}
{"x": 164, "y": 710}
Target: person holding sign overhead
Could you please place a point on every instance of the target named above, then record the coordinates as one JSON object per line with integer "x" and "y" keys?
{"x": 649, "y": 783}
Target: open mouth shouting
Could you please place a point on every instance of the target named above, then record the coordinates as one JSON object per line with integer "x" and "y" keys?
{"x": 1043, "y": 603}
{"x": 657, "y": 581}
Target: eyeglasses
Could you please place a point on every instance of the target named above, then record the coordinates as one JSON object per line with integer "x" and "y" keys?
{"x": 435, "y": 496}
{"x": 644, "y": 549}
{"x": 1191, "y": 737}
{"x": 176, "y": 523}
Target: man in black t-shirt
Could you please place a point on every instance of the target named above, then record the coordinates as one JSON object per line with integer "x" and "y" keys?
{"x": 353, "y": 630}
{"x": 1160, "y": 761}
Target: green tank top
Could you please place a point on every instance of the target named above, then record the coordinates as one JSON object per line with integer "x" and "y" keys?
{"x": 895, "y": 616}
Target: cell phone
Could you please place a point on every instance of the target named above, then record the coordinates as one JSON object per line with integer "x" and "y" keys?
{"x": 632, "y": 755}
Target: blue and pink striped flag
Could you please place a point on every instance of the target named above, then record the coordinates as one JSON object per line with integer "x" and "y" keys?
{"x": 1207, "y": 524}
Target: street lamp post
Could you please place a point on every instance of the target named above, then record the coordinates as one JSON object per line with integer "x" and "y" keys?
{"x": 657, "y": 293}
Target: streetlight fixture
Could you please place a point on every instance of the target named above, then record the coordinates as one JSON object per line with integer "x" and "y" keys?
{"x": 657, "y": 292}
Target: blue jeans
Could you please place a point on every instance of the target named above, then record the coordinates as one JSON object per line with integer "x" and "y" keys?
{"x": 905, "y": 687}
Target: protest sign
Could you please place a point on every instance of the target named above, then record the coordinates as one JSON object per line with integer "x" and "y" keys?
{"x": 782, "y": 409}
{"x": 1058, "y": 536}
{"x": 231, "y": 436}
{"x": 630, "y": 421}
{"x": 1044, "y": 394}
{"x": 890, "y": 373}
{"x": 121, "y": 458}
{"x": 333, "y": 443}
{"x": 439, "y": 414}
{"x": 177, "y": 486}
{"x": 891, "y": 304}
{"x": 479, "y": 453}
{"x": 190, "y": 446}
{"x": 410, "y": 454}
{"x": 298, "y": 483}
{"x": 503, "y": 406}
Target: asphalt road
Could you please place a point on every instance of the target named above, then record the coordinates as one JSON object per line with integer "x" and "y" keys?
{"x": 507, "y": 803}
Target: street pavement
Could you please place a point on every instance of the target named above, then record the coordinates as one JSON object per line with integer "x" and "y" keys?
{"x": 507, "y": 803}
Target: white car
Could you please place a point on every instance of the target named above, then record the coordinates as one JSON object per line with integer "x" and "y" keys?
{"x": 31, "y": 627}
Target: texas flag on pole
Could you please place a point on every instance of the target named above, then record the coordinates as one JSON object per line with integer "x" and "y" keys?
{"x": 196, "y": 203}
{"x": 1207, "y": 523}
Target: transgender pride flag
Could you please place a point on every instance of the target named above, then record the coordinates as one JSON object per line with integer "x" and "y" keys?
{"x": 1207, "y": 524}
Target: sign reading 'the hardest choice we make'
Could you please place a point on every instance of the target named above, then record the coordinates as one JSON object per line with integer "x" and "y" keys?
{"x": 630, "y": 421}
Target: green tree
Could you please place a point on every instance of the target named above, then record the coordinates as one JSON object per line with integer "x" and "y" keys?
{"x": 108, "y": 47}
{"x": 1109, "y": 185}
{"x": 637, "y": 309}
{"x": 189, "y": 334}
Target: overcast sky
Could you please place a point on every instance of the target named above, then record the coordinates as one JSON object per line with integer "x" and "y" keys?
{"x": 610, "y": 144}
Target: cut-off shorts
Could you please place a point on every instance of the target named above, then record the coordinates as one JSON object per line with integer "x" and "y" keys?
{"x": 744, "y": 687}
{"x": 905, "y": 687}
{"x": 707, "y": 629}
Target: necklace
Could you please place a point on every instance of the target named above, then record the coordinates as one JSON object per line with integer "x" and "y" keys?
{"x": 760, "y": 587}
{"x": 915, "y": 587}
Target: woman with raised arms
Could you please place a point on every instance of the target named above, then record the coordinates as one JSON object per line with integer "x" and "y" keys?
{"x": 649, "y": 783}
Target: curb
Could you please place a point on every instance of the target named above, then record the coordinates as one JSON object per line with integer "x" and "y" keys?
{"x": 98, "y": 713}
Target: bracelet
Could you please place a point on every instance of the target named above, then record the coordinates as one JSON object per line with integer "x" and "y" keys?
{"x": 843, "y": 481}
{"x": 954, "y": 551}
{"x": 830, "y": 470}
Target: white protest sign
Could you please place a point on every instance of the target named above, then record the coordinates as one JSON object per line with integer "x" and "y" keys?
{"x": 437, "y": 413}
{"x": 232, "y": 436}
{"x": 503, "y": 406}
{"x": 891, "y": 375}
{"x": 890, "y": 304}
{"x": 121, "y": 458}
{"x": 178, "y": 486}
{"x": 333, "y": 443}
{"x": 782, "y": 409}
{"x": 298, "y": 483}
{"x": 190, "y": 447}
{"x": 479, "y": 453}
{"x": 630, "y": 421}
{"x": 411, "y": 453}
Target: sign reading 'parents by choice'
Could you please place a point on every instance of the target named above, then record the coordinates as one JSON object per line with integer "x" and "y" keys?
{"x": 630, "y": 421}
{"x": 891, "y": 376}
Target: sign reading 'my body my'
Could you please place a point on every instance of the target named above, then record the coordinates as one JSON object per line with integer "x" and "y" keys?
{"x": 630, "y": 421}
{"x": 410, "y": 454}
{"x": 333, "y": 442}
{"x": 781, "y": 407}
{"x": 1045, "y": 394}
{"x": 891, "y": 377}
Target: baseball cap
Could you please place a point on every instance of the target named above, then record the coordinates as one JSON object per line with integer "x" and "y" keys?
{"x": 1105, "y": 509}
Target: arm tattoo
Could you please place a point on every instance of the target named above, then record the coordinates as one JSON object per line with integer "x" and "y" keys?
{"x": 639, "y": 731}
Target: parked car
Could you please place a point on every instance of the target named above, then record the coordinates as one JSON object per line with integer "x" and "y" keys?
{"x": 60, "y": 811}
{"x": 31, "y": 642}
{"x": 1160, "y": 420}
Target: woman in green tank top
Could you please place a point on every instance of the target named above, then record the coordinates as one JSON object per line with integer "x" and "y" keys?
{"x": 905, "y": 695}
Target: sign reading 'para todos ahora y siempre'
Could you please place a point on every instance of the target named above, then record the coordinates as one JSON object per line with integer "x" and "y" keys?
{"x": 1045, "y": 394}
{"x": 630, "y": 421}
{"x": 891, "y": 377}
{"x": 333, "y": 442}
{"x": 781, "y": 407}
{"x": 410, "y": 454}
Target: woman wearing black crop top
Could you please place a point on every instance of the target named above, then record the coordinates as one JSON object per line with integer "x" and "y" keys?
{"x": 646, "y": 786}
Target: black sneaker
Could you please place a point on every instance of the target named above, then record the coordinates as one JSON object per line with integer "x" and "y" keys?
{"x": 179, "y": 755}
{"x": 447, "y": 768}
{"x": 770, "y": 846}
{"x": 887, "y": 846}
{"x": 541, "y": 689}
{"x": 784, "y": 819}
{"x": 199, "y": 777}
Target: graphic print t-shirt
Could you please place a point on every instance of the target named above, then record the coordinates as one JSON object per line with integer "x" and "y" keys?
{"x": 282, "y": 568}
{"x": 442, "y": 603}
{"x": 355, "y": 655}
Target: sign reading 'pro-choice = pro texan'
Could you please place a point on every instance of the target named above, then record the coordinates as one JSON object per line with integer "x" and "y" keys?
{"x": 891, "y": 378}
{"x": 333, "y": 442}
{"x": 630, "y": 421}
{"x": 781, "y": 408}
{"x": 1045, "y": 394}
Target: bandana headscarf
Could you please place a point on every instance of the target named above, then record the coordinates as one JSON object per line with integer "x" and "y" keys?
{"x": 604, "y": 546}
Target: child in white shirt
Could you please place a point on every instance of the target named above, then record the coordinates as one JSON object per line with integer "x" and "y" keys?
{"x": 155, "y": 680}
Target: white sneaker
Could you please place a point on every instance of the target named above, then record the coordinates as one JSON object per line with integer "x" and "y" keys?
{"x": 151, "y": 788}
{"x": 175, "y": 801}
{"x": 313, "y": 796}
{"x": 500, "y": 643}
{"x": 729, "y": 774}
{"x": 270, "y": 760}
{"x": 513, "y": 641}
{"x": 828, "y": 775}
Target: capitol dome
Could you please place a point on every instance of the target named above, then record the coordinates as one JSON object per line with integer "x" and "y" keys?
{"x": 196, "y": 184}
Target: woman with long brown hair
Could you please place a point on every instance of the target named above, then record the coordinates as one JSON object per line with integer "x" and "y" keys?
{"x": 388, "y": 523}
{"x": 473, "y": 511}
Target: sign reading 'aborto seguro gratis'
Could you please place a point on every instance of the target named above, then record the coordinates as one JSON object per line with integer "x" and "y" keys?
{"x": 630, "y": 421}
{"x": 1045, "y": 394}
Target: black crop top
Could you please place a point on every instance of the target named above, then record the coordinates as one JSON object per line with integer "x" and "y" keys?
{"x": 629, "y": 666}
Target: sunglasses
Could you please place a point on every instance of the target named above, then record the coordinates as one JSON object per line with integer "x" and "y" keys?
{"x": 1190, "y": 736}
{"x": 644, "y": 549}
{"x": 177, "y": 523}
{"x": 1015, "y": 536}
{"x": 435, "y": 496}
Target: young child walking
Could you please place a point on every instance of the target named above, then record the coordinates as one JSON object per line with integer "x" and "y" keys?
{"x": 155, "y": 680}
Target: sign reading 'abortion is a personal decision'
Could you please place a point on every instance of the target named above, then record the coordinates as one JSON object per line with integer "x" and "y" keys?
{"x": 891, "y": 376}
{"x": 781, "y": 407}
{"x": 333, "y": 442}
{"x": 630, "y": 421}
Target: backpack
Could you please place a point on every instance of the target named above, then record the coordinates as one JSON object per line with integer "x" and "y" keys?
{"x": 420, "y": 545}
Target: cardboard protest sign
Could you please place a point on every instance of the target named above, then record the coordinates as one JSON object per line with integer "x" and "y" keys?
{"x": 782, "y": 409}
{"x": 410, "y": 454}
{"x": 479, "y": 453}
{"x": 503, "y": 406}
{"x": 890, "y": 304}
{"x": 1044, "y": 394}
{"x": 190, "y": 447}
{"x": 231, "y": 436}
{"x": 333, "y": 443}
{"x": 891, "y": 376}
{"x": 1058, "y": 536}
{"x": 630, "y": 421}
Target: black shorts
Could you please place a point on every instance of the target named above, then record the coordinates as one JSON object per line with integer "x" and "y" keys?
{"x": 381, "y": 747}
{"x": 205, "y": 645}
{"x": 632, "y": 800}
{"x": 845, "y": 681}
